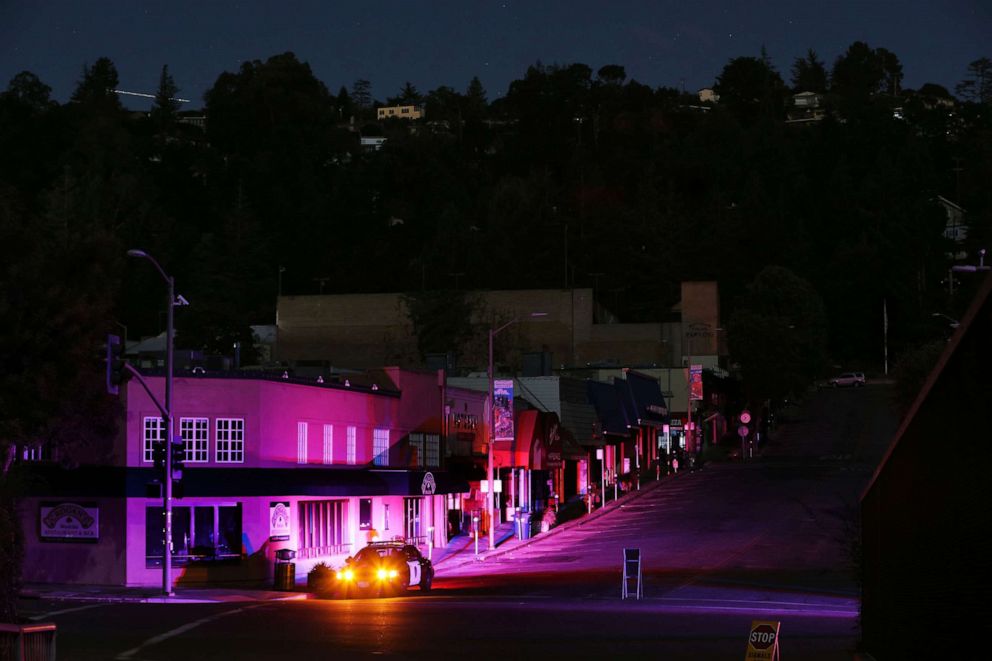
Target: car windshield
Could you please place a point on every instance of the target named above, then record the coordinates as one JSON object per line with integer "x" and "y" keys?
{"x": 374, "y": 552}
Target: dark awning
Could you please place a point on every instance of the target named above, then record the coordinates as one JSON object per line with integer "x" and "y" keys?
{"x": 649, "y": 403}
{"x": 609, "y": 409}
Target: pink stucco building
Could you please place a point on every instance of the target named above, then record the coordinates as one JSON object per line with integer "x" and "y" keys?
{"x": 270, "y": 463}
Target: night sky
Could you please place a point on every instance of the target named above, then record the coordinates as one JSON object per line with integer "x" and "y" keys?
{"x": 670, "y": 43}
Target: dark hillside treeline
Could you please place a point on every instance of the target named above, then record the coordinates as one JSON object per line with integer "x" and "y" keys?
{"x": 574, "y": 177}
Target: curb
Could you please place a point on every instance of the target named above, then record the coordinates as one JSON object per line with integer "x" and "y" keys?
{"x": 568, "y": 525}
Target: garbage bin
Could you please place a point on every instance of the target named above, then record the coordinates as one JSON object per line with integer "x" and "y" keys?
{"x": 285, "y": 574}
{"x": 524, "y": 525}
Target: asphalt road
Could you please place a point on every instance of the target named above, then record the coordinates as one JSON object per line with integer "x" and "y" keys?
{"x": 770, "y": 539}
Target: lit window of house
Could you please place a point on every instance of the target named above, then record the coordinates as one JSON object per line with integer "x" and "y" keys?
{"x": 154, "y": 430}
{"x": 301, "y": 442}
{"x": 328, "y": 444}
{"x": 230, "y": 441}
{"x": 380, "y": 447}
{"x": 351, "y": 445}
{"x": 195, "y": 433}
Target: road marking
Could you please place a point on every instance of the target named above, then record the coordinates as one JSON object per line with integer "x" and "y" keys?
{"x": 155, "y": 640}
{"x": 45, "y": 616}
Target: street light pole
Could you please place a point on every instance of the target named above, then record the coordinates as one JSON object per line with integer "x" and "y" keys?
{"x": 167, "y": 478}
{"x": 491, "y": 497}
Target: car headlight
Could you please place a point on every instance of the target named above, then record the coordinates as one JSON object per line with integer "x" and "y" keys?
{"x": 346, "y": 575}
{"x": 381, "y": 574}
{"x": 393, "y": 573}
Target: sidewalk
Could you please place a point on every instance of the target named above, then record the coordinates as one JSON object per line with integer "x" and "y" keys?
{"x": 459, "y": 552}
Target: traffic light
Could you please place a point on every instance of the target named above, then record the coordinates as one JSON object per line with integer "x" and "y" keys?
{"x": 178, "y": 450}
{"x": 116, "y": 365}
{"x": 158, "y": 455}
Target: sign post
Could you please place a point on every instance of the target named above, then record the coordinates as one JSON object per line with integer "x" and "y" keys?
{"x": 762, "y": 642}
{"x": 631, "y": 572}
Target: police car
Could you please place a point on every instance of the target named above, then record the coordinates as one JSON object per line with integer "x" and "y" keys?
{"x": 385, "y": 568}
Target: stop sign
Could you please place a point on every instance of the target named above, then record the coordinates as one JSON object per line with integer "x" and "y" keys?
{"x": 762, "y": 636}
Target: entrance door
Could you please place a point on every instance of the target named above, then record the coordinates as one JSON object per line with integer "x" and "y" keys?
{"x": 411, "y": 517}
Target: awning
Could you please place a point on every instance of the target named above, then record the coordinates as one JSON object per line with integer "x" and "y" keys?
{"x": 609, "y": 409}
{"x": 234, "y": 482}
{"x": 648, "y": 402}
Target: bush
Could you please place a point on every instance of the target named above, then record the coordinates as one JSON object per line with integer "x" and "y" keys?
{"x": 320, "y": 579}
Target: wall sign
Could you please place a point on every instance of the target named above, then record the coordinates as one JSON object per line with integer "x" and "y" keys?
{"x": 69, "y": 522}
{"x": 279, "y": 513}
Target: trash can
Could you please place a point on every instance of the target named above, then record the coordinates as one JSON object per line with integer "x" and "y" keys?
{"x": 524, "y": 525}
{"x": 285, "y": 574}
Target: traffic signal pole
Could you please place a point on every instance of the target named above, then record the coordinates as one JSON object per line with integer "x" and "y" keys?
{"x": 167, "y": 487}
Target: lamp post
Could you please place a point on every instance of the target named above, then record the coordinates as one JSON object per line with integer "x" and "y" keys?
{"x": 167, "y": 487}
{"x": 490, "y": 497}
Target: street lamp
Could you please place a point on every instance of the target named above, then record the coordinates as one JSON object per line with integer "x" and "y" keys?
{"x": 490, "y": 498}
{"x": 167, "y": 490}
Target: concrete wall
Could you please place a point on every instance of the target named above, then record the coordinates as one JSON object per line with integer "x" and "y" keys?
{"x": 370, "y": 330}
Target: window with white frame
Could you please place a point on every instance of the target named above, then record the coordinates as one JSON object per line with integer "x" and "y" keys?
{"x": 432, "y": 455}
{"x": 301, "y": 442}
{"x": 380, "y": 447}
{"x": 416, "y": 450}
{"x": 351, "y": 444}
{"x": 195, "y": 433}
{"x": 230, "y": 441}
{"x": 154, "y": 430}
{"x": 328, "y": 444}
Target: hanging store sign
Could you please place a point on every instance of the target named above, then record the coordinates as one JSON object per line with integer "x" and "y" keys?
{"x": 70, "y": 522}
{"x": 279, "y": 515}
{"x": 503, "y": 409}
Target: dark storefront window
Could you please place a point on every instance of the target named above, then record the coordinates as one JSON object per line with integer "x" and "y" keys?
{"x": 201, "y": 533}
{"x": 365, "y": 514}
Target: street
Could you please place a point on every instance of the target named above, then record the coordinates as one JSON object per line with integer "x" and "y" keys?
{"x": 772, "y": 539}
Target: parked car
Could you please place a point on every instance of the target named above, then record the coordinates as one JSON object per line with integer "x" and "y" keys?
{"x": 852, "y": 379}
{"x": 384, "y": 568}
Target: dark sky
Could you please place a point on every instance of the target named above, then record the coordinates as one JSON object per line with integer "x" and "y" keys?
{"x": 660, "y": 42}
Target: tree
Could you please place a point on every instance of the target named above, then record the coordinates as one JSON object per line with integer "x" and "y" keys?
{"x": 611, "y": 74}
{"x": 750, "y": 87}
{"x": 977, "y": 86}
{"x": 409, "y": 96}
{"x": 862, "y": 73}
{"x": 52, "y": 321}
{"x": 442, "y": 320}
{"x": 96, "y": 88}
{"x": 361, "y": 94}
{"x": 165, "y": 107}
{"x": 809, "y": 74}
{"x": 27, "y": 90}
{"x": 778, "y": 333}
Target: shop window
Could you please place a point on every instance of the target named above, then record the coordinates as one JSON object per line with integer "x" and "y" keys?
{"x": 205, "y": 533}
{"x": 322, "y": 528}
{"x": 365, "y": 514}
